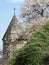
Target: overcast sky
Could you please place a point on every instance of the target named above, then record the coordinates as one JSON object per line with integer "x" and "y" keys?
{"x": 6, "y": 14}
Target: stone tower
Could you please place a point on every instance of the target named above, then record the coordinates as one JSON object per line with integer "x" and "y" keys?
{"x": 13, "y": 39}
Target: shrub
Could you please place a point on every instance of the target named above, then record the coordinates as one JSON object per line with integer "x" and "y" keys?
{"x": 35, "y": 51}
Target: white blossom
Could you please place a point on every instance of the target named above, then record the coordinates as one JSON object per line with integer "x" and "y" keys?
{"x": 33, "y": 8}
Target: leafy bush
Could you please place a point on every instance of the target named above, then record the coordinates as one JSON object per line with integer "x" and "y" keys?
{"x": 34, "y": 52}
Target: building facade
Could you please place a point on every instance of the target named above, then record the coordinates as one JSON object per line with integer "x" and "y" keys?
{"x": 13, "y": 39}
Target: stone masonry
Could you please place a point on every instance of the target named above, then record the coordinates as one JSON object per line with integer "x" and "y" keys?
{"x": 12, "y": 39}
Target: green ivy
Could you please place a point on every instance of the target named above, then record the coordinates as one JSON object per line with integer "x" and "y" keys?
{"x": 35, "y": 50}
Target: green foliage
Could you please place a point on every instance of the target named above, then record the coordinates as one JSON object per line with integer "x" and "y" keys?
{"x": 35, "y": 50}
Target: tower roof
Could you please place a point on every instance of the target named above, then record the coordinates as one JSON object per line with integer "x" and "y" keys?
{"x": 14, "y": 30}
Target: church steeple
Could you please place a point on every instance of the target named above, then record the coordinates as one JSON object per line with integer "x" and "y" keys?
{"x": 14, "y": 29}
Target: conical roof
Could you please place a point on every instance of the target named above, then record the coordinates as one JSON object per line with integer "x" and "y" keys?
{"x": 14, "y": 30}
